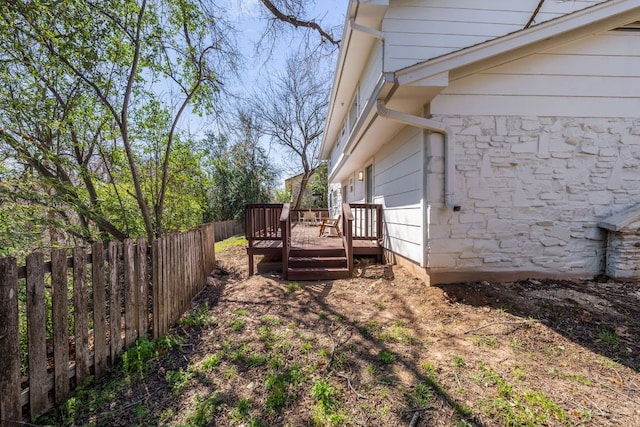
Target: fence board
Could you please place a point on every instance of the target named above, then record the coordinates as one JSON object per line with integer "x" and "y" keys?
{"x": 37, "y": 329}
{"x": 130, "y": 300}
{"x": 225, "y": 229}
{"x": 10, "y": 408}
{"x": 99, "y": 310}
{"x": 80, "y": 309}
{"x": 115, "y": 320}
{"x": 164, "y": 308}
{"x": 154, "y": 289}
{"x": 60, "y": 322}
{"x": 161, "y": 281}
{"x": 143, "y": 286}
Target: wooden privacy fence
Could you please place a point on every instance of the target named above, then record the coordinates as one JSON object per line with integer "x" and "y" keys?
{"x": 226, "y": 229}
{"x": 64, "y": 319}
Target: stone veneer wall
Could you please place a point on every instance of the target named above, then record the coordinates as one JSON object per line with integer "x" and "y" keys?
{"x": 531, "y": 191}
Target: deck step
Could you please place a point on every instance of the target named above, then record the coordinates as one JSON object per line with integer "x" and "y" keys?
{"x": 317, "y": 252}
{"x": 318, "y": 273}
{"x": 318, "y": 262}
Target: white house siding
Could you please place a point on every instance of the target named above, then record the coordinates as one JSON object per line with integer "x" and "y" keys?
{"x": 417, "y": 30}
{"x": 595, "y": 77}
{"x": 398, "y": 187}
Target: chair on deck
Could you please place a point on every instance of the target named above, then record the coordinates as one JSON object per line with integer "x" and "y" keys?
{"x": 331, "y": 223}
{"x": 309, "y": 217}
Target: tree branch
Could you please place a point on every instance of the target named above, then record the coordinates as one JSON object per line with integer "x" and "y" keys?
{"x": 299, "y": 23}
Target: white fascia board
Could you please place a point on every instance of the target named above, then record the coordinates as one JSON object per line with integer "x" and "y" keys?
{"x": 334, "y": 119}
{"x": 571, "y": 27}
{"x": 347, "y": 32}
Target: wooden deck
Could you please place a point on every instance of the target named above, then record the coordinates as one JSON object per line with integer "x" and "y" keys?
{"x": 299, "y": 250}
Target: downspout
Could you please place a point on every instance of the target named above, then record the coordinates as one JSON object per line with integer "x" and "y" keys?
{"x": 449, "y": 145}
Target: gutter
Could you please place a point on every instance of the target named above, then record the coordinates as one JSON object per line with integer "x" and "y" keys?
{"x": 449, "y": 145}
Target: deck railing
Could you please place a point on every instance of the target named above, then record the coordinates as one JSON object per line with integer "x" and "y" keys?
{"x": 347, "y": 234}
{"x": 262, "y": 222}
{"x": 367, "y": 221}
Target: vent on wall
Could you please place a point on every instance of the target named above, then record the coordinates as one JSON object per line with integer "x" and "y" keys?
{"x": 634, "y": 26}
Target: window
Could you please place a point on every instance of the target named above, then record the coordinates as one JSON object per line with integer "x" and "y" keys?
{"x": 353, "y": 113}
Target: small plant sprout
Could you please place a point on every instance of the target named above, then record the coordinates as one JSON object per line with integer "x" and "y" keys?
{"x": 211, "y": 362}
{"x": 238, "y": 325}
{"x": 292, "y": 287}
{"x": 429, "y": 369}
{"x": 198, "y": 317}
{"x": 459, "y": 362}
{"x": 386, "y": 357}
{"x": 241, "y": 410}
{"x": 608, "y": 336}
{"x": 324, "y": 393}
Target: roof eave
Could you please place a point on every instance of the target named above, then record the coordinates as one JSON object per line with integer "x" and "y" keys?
{"x": 331, "y": 128}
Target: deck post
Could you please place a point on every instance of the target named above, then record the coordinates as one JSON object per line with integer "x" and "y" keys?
{"x": 347, "y": 235}
{"x": 285, "y": 225}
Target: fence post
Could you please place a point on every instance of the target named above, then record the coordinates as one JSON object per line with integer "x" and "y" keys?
{"x": 10, "y": 408}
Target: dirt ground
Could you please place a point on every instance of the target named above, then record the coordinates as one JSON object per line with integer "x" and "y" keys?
{"x": 578, "y": 343}
{"x": 384, "y": 349}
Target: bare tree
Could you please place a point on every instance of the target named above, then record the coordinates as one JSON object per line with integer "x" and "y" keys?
{"x": 291, "y": 112}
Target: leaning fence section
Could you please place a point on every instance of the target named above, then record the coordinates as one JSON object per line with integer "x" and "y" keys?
{"x": 74, "y": 314}
{"x": 181, "y": 263}
{"x": 226, "y": 229}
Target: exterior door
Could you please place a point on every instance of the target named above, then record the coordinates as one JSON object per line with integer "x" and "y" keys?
{"x": 368, "y": 182}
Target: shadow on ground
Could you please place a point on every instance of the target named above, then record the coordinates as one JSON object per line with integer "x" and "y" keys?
{"x": 601, "y": 315}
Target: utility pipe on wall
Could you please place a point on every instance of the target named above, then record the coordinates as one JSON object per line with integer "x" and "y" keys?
{"x": 449, "y": 145}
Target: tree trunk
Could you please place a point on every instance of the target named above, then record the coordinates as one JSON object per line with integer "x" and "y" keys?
{"x": 303, "y": 189}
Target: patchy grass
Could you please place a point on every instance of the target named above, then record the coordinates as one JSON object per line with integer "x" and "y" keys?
{"x": 262, "y": 352}
{"x": 232, "y": 242}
